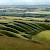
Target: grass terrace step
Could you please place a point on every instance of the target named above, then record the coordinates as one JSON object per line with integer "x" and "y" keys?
{"x": 47, "y": 27}
{"x": 11, "y": 34}
{"x": 25, "y": 24}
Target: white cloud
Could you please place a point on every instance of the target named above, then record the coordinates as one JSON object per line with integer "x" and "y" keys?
{"x": 24, "y": 2}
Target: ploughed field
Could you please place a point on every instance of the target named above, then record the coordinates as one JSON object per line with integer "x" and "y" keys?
{"x": 24, "y": 35}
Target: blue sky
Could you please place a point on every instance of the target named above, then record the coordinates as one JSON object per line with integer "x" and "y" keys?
{"x": 24, "y": 2}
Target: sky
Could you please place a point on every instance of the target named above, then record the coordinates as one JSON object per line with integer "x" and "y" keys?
{"x": 24, "y": 2}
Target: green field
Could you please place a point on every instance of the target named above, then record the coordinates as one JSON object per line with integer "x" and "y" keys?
{"x": 19, "y": 34}
{"x": 43, "y": 37}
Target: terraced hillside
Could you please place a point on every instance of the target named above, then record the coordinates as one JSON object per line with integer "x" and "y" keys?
{"x": 19, "y": 34}
{"x": 22, "y": 29}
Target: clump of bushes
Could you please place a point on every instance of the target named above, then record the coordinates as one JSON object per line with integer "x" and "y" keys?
{"x": 46, "y": 20}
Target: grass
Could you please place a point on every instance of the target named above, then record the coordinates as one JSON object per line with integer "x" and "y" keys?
{"x": 23, "y": 28}
{"x": 43, "y": 37}
{"x": 10, "y": 43}
{"x": 22, "y": 19}
{"x": 21, "y": 34}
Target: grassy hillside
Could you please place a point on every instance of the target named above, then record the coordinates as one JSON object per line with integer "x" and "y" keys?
{"x": 23, "y": 31}
{"x": 43, "y": 37}
{"x": 10, "y": 43}
{"x": 21, "y": 28}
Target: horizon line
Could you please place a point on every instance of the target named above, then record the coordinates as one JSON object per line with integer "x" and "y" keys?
{"x": 27, "y": 4}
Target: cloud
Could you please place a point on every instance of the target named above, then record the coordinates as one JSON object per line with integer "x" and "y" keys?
{"x": 13, "y": 2}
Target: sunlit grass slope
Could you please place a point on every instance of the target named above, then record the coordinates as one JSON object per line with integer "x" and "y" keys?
{"x": 43, "y": 37}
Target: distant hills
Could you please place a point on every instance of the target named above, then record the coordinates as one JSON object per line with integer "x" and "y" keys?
{"x": 25, "y": 6}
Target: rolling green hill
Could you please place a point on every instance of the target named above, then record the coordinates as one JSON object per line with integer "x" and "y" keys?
{"x": 21, "y": 30}
{"x": 43, "y": 37}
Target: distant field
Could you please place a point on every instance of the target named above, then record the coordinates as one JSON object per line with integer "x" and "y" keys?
{"x": 21, "y": 18}
{"x": 39, "y": 12}
{"x": 44, "y": 12}
{"x": 34, "y": 12}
